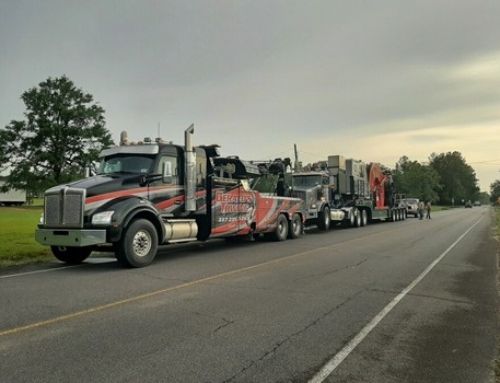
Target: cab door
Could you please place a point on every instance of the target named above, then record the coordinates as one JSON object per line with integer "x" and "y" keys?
{"x": 233, "y": 207}
{"x": 167, "y": 192}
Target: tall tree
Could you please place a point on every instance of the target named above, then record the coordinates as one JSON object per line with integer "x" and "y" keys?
{"x": 495, "y": 192}
{"x": 458, "y": 179}
{"x": 62, "y": 133}
{"x": 416, "y": 180}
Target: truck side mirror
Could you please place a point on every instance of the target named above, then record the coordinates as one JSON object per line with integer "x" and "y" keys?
{"x": 89, "y": 172}
{"x": 166, "y": 171}
{"x": 319, "y": 189}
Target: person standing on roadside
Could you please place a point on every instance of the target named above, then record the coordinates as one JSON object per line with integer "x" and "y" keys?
{"x": 428, "y": 209}
{"x": 421, "y": 207}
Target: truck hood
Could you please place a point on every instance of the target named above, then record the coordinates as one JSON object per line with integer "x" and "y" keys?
{"x": 101, "y": 184}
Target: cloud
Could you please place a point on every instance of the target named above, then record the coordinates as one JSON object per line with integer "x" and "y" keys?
{"x": 372, "y": 80}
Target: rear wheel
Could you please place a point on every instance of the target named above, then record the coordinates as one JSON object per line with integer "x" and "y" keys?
{"x": 364, "y": 217}
{"x": 138, "y": 245}
{"x": 352, "y": 219}
{"x": 71, "y": 255}
{"x": 295, "y": 228}
{"x": 324, "y": 219}
{"x": 281, "y": 231}
{"x": 357, "y": 218}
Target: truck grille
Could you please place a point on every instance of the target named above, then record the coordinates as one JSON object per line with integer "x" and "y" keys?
{"x": 299, "y": 194}
{"x": 64, "y": 207}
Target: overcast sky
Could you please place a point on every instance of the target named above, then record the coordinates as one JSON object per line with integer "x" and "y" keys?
{"x": 372, "y": 80}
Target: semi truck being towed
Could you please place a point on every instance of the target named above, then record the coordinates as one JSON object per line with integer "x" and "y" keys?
{"x": 153, "y": 193}
{"x": 342, "y": 191}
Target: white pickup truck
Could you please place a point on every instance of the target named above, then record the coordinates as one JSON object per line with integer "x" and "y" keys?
{"x": 410, "y": 204}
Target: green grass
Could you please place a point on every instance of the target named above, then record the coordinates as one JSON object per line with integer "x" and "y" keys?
{"x": 37, "y": 202}
{"x": 439, "y": 208}
{"x": 17, "y": 237}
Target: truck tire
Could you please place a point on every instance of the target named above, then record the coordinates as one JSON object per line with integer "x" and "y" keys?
{"x": 357, "y": 218}
{"x": 138, "y": 245}
{"x": 364, "y": 217}
{"x": 324, "y": 219}
{"x": 394, "y": 215}
{"x": 281, "y": 231}
{"x": 295, "y": 226}
{"x": 71, "y": 255}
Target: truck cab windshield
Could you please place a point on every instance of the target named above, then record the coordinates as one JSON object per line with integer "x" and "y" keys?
{"x": 307, "y": 181}
{"x": 126, "y": 164}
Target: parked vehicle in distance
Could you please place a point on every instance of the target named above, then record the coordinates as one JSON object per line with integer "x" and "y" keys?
{"x": 477, "y": 203}
{"x": 468, "y": 204}
{"x": 412, "y": 207}
{"x": 11, "y": 197}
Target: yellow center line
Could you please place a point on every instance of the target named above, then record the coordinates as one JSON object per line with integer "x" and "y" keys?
{"x": 173, "y": 288}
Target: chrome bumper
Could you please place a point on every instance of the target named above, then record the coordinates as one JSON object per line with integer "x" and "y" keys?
{"x": 70, "y": 238}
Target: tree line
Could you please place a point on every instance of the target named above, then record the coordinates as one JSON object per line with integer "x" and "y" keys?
{"x": 63, "y": 131}
{"x": 446, "y": 179}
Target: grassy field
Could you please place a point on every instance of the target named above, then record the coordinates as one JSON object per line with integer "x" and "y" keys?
{"x": 17, "y": 237}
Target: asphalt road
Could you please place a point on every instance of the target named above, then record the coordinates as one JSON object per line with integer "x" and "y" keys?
{"x": 410, "y": 301}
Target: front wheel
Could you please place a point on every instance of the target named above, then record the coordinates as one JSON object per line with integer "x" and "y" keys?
{"x": 295, "y": 228}
{"x": 324, "y": 219}
{"x": 71, "y": 255}
{"x": 138, "y": 245}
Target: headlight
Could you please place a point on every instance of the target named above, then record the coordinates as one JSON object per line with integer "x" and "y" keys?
{"x": 312, "y": 202}
{"x": 42, "y": 219}
{"x": 103, "y": 218}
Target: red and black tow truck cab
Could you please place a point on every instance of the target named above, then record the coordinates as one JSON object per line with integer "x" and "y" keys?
{"x": 153, "y": 193}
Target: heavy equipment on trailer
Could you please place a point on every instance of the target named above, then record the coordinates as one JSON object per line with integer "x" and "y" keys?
{"x": 153, "y": 193}
{"x": 343, "y": 191}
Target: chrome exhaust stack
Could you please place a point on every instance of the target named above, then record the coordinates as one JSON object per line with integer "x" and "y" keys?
{"x": 190, "y": 170}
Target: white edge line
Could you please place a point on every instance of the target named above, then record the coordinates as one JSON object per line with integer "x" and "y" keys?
{"x": 338, "y": 358}
{"x": 38, "y": 271}
{"x": 89, "y": 262}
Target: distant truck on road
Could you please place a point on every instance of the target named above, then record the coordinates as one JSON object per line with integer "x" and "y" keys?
{"x": 12, "y": 197}
{"x": 410, "y": 204}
